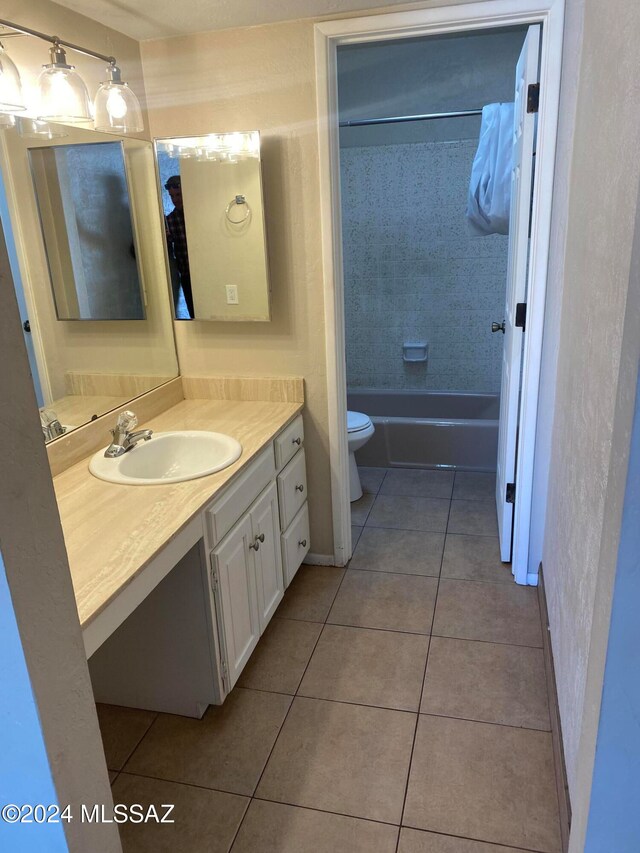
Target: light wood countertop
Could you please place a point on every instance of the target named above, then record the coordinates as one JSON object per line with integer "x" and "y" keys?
{"x": 113, "y": 531}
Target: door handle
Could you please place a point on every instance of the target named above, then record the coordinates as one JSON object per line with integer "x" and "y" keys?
{"x": 498, "y": 327}
{"x": 300, "y": 488}
{"x": 260, "y": 537}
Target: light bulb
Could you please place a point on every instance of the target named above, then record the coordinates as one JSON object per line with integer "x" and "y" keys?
{"x": 116, "y": 104}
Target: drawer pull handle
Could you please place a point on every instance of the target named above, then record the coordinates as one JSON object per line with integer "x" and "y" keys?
{"x": 260, "y": 537}
{"x": 300, "y": 488}
{"x": 255, "y": 546}
{"x": 302, "y": 543}
{"x": 297, "y": 441}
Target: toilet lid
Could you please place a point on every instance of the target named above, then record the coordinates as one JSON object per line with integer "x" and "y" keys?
{"x": 357, "y": 421}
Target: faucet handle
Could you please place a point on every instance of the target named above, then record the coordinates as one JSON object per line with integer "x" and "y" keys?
{"x": 126, "y": 421}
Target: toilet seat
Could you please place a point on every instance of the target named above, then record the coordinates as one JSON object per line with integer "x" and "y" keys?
{"x": 357, "y": 421}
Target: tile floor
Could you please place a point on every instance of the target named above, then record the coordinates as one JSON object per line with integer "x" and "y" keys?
{"x": 398, "y": 706}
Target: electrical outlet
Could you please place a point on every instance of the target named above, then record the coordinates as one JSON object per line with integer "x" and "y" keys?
{"x": 232, "y": 294}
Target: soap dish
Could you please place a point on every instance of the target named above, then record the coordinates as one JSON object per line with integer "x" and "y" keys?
{"x": 415, "y": 351}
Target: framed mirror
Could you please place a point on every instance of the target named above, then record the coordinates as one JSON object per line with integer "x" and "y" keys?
{"x": 82, "y": 370}
{"x": 212, "y": 202}
{"x": 83, "y": 201}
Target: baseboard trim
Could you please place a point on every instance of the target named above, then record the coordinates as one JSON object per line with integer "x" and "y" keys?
{"x": 564, "y": 802}
{"x": 320, "y": 559}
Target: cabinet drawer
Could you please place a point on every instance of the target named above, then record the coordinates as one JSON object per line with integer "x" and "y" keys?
{"x": 224, "y": 513}
{"x": 292, "y": 489}
{"x": 289, "y": 442}
{"x": 295, "y": 544}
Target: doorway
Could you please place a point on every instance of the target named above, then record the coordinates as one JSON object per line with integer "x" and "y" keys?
{"x": 454, "y": 20}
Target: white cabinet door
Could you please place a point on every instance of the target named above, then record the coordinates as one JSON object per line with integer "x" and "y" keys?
{"x": 268, "y": 560}
{"x": 234, "y": 569}
{"x": 521, "y": 184}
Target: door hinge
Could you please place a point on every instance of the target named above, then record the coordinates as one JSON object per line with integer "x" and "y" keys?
{"x": 224, "y": 673}
{"x": 521, "y": 315}
{"x": 510, "y": 497}
{"x": 214, "y": 579}
{"x": 533, "y": 98}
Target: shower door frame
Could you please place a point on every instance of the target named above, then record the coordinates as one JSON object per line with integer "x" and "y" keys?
{"x": 456, "y": 18}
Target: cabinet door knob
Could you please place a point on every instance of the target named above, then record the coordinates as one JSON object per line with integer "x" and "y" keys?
{"x": 300, "y": 488}
{"x": 255, "y": 546}
{"x": 297, "y": 441}
{"x": 302, "y": 543}
{"x": 260, "y": 537}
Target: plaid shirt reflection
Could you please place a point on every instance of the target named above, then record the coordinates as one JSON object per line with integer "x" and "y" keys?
{"x": 177, "y": 239}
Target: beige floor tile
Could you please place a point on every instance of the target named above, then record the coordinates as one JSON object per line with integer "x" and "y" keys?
{"x": 489, "y": 682}
{"x": 227, "y": 749}
{"x": 204, "y": 821}
{"x": 360, "y": 509}
{"x": 493, "y": 612}
{"x": 311, "y": 593}
{"x": 371, "y": 479}
{"x": 475, "y": 517}
{"x": 417, "y": 841}
{"x": 409, "y": 552}
{"x": 490, "y": 783}
{"x": 277, "y": 828}
{"x": 389, "y": 601}
{"x": 407, "y": 513}
{"x": 281, "y": 656}
{"x": 341, "y": 758}
{"x": 474, "y": 558}
{"x": 472, "y": 486}
{"x": 122, "y": 729}
{"x": 418, "y": 483}
{"x": 356, "y": 533}
{"x": 367, "y": 667}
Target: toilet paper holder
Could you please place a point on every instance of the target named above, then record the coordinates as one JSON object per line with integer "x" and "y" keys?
{"x": 414, "y": 352}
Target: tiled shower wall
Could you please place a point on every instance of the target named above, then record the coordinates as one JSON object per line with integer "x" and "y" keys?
{"x": 413, "y": 271}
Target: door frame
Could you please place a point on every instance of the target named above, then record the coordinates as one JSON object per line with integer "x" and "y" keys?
{"x": 475, "y": 15}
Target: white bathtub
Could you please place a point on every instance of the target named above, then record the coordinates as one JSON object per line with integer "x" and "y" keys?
{"x": 429, "y": 429}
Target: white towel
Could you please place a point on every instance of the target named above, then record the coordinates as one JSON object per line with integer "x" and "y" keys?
{"x": 490, "y": 186}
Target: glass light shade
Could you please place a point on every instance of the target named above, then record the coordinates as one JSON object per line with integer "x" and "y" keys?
{"x": 63, "y": 95}
{"x": 11, "y": 99}
{"x": 31, "y": 128}
{"x": 117, "y": 109}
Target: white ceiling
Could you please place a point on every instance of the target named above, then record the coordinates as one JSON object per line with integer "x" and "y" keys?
{"x": 148, "y": 19}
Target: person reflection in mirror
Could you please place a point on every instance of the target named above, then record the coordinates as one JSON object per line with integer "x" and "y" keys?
{"x": 177, "y": 243}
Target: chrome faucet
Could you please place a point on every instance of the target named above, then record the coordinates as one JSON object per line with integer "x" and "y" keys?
{"x": 51, "y": 426}
{"x": 123, "y": 438}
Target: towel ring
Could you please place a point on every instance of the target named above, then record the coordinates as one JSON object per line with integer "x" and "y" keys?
{"x": 239, "y": 201}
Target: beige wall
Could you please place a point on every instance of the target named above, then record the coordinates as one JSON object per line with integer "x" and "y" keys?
{"x": 260, "y": 78}
{"x": 594, "y": 397}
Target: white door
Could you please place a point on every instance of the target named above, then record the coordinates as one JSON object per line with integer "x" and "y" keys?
{"x": 268, "y": 557}
{"x": 521, "y": 186}
{"x": 237, "y": 607}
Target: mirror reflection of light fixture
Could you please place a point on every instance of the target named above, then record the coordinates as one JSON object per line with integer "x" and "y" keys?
{"x": 117, "y": 108}
{"x": 32, "y": 128}
{"x": 63, "y": 94}
{"x": 11, "y": 99}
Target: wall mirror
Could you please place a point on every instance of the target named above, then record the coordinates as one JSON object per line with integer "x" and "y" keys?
{"x": 212, "y": 201}
{"x": 83, "y": 200}
{"x": 79, "y": 213}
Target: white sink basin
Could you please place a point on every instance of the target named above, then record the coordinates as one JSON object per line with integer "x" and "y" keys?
{"x": 168, "y": 457}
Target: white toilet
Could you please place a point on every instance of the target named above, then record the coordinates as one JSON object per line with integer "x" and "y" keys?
{"x": 359, "y": 429}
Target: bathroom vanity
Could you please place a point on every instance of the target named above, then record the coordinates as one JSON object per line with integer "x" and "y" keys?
{"x": 176, "y": 583}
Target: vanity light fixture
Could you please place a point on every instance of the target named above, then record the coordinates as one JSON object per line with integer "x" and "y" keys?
{"x": 11, "y": 99}
{"x": 63, "y": 93}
